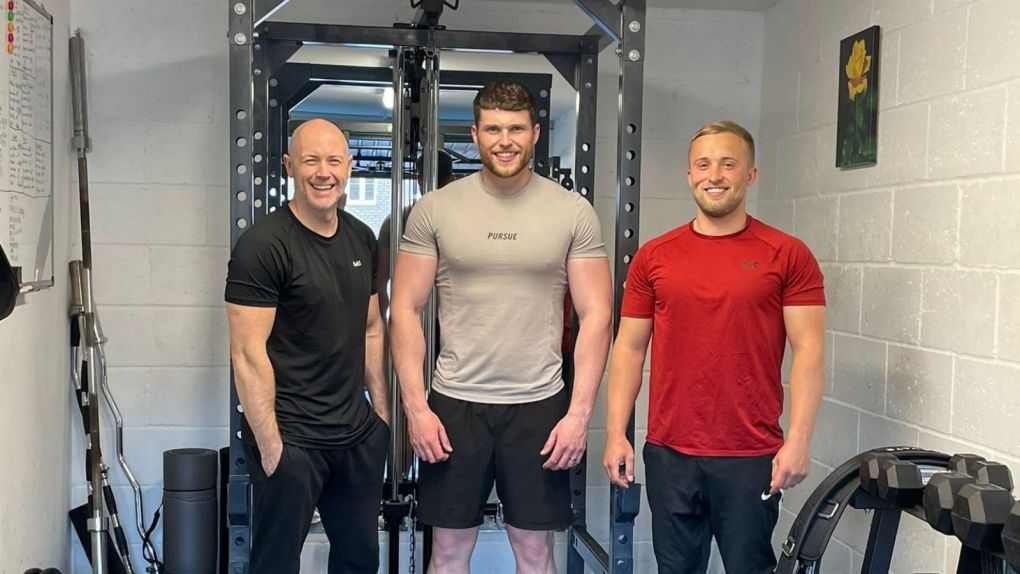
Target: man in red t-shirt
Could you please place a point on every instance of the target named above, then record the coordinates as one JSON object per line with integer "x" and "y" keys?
{"x": 722, "y": 294}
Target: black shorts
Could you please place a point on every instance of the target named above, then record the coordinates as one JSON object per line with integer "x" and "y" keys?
{"x": 501, "y": 443}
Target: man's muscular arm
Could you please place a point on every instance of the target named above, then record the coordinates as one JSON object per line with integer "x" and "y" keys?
{"x": 625, "y": 372}
{"x": 375, "y": 352}
{"x": 412, "y": 284}
{"x": 805, "y": 327}
{"x": 254, "y": 378}
{"x": 592, "y": 292}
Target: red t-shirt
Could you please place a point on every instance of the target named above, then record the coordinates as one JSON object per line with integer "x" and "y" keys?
{"x": 718, "y": 334}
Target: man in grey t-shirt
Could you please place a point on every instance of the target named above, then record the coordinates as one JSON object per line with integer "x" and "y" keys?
{"x": 502, "y": 247}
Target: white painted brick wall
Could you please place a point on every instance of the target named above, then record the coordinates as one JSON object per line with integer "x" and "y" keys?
{"x": 926, "y": 224}
{"x": 923, "y": 281}
{"x": 863, "y": 226}
{"x": 36, "y": 418}
{"x": 925, "y": 73}
{"x": 859, "y": 372}
{"x": 843, "y": 292}
{"x": 990, "y": 210}
{"x": 159, "y": 205}
{"x": 920, "y": 387}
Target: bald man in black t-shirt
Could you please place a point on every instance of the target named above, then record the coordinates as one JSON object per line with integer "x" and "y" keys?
{"x": 306, "y": 341}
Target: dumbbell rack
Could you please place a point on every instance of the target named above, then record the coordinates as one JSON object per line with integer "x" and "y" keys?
{"x": 890, "y": 482}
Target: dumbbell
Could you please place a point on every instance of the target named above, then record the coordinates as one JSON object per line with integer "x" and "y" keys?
{"x": 871, "y": 469}
{"x": 940, "y": 492}
{"x": 993, "y": 473}
{"x": 938, "y": 497}
{"x": 979, "y": 514}
{"x": 1011, "y": 537}
{"x": 965, "y": 463}
{"x": 893, "y": 480}
{"x": 900, "y": 483}
{"x": 982, "y": 470}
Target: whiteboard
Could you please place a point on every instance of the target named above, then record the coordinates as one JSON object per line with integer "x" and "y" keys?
{"x": 26, "y": 143}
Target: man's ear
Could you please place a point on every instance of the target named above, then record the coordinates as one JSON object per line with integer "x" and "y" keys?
{"x": 752, "y": 176}
{"x": 288, "y": 164}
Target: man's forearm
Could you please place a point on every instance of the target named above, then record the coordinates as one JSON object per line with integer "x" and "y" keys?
{"x": 375, "y": 372}
{"x": 408, "y": 351}
{"x": 256, "y": 390}
{"x": 625, "y": 377}
{"x": 589, "y": 362}
{"x": 807, "y": 384}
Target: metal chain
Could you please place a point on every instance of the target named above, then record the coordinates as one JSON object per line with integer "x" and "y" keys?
{"x": 412, "y": 516}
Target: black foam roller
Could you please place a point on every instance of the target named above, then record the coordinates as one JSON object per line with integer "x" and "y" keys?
{"x": 190, "y": 536}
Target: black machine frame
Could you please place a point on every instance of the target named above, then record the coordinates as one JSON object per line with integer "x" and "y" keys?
{"x": 296, "y": 81}
{"x": 263, "y": 89}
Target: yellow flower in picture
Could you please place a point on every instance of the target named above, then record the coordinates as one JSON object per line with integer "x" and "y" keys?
{"x": 857, "y": 68}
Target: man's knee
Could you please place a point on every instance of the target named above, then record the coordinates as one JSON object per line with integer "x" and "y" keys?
{"x": 531, "y": 547}
{"x": 452, "y": 546}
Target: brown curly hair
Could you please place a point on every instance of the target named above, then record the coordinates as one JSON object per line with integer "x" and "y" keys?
{"x": 505, "y": 95}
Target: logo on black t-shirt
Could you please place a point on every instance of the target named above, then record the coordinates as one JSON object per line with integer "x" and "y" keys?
{"x": 356, "y": 263}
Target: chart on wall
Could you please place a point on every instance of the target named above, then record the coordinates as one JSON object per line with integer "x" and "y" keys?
{"x": 26, "y": 141}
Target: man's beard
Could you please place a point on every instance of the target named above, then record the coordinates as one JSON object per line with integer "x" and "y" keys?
{"x": 718, "y": 208}
{"x": 504, "y": 170}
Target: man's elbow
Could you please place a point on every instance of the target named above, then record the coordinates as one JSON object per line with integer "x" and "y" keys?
{"x": 404, "y": 310}
{"x": 598, "y": 319}
{"x": 245, "y": 355}
{"x": 237, "y": 354}
{"x": 808, "y": 348}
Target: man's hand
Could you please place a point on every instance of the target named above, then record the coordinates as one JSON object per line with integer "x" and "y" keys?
{"x": 271, "y": 453}
{"x": 619, "y": 453}
{"x": 566, "y": 442}
{"x": 790, "y": 466}
{"x": 428, "y": 436}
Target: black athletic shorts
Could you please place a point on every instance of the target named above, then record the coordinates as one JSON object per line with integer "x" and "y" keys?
{"x": 501, "y": 443}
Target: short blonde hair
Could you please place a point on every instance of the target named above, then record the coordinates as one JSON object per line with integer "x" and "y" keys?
{"x": 726, "y": 127}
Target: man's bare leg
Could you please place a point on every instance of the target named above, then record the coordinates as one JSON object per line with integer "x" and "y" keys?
{"x": 451, "y": 550}
{"x": 532, "y": 550}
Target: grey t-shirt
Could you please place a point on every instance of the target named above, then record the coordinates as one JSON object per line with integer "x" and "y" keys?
{"x": 501, "y": 279}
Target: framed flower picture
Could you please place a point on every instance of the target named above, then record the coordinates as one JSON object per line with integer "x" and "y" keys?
{"x": 857, "y": 122}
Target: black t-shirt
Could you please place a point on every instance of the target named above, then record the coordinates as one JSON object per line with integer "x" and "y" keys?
{"x": 321, "y": 288}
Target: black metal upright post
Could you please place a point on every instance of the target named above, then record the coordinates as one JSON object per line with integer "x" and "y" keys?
{"x": 242, "y": 216}
{"x": 585, "y": 82}
{"x": 625, "y": 503}
{"x": 540, "y": 88}
{"x": 260, "y": 118}
{"x": 243, "y": 17}
{"x": 271, "y": 138}
{"x": 276, "y": 145}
